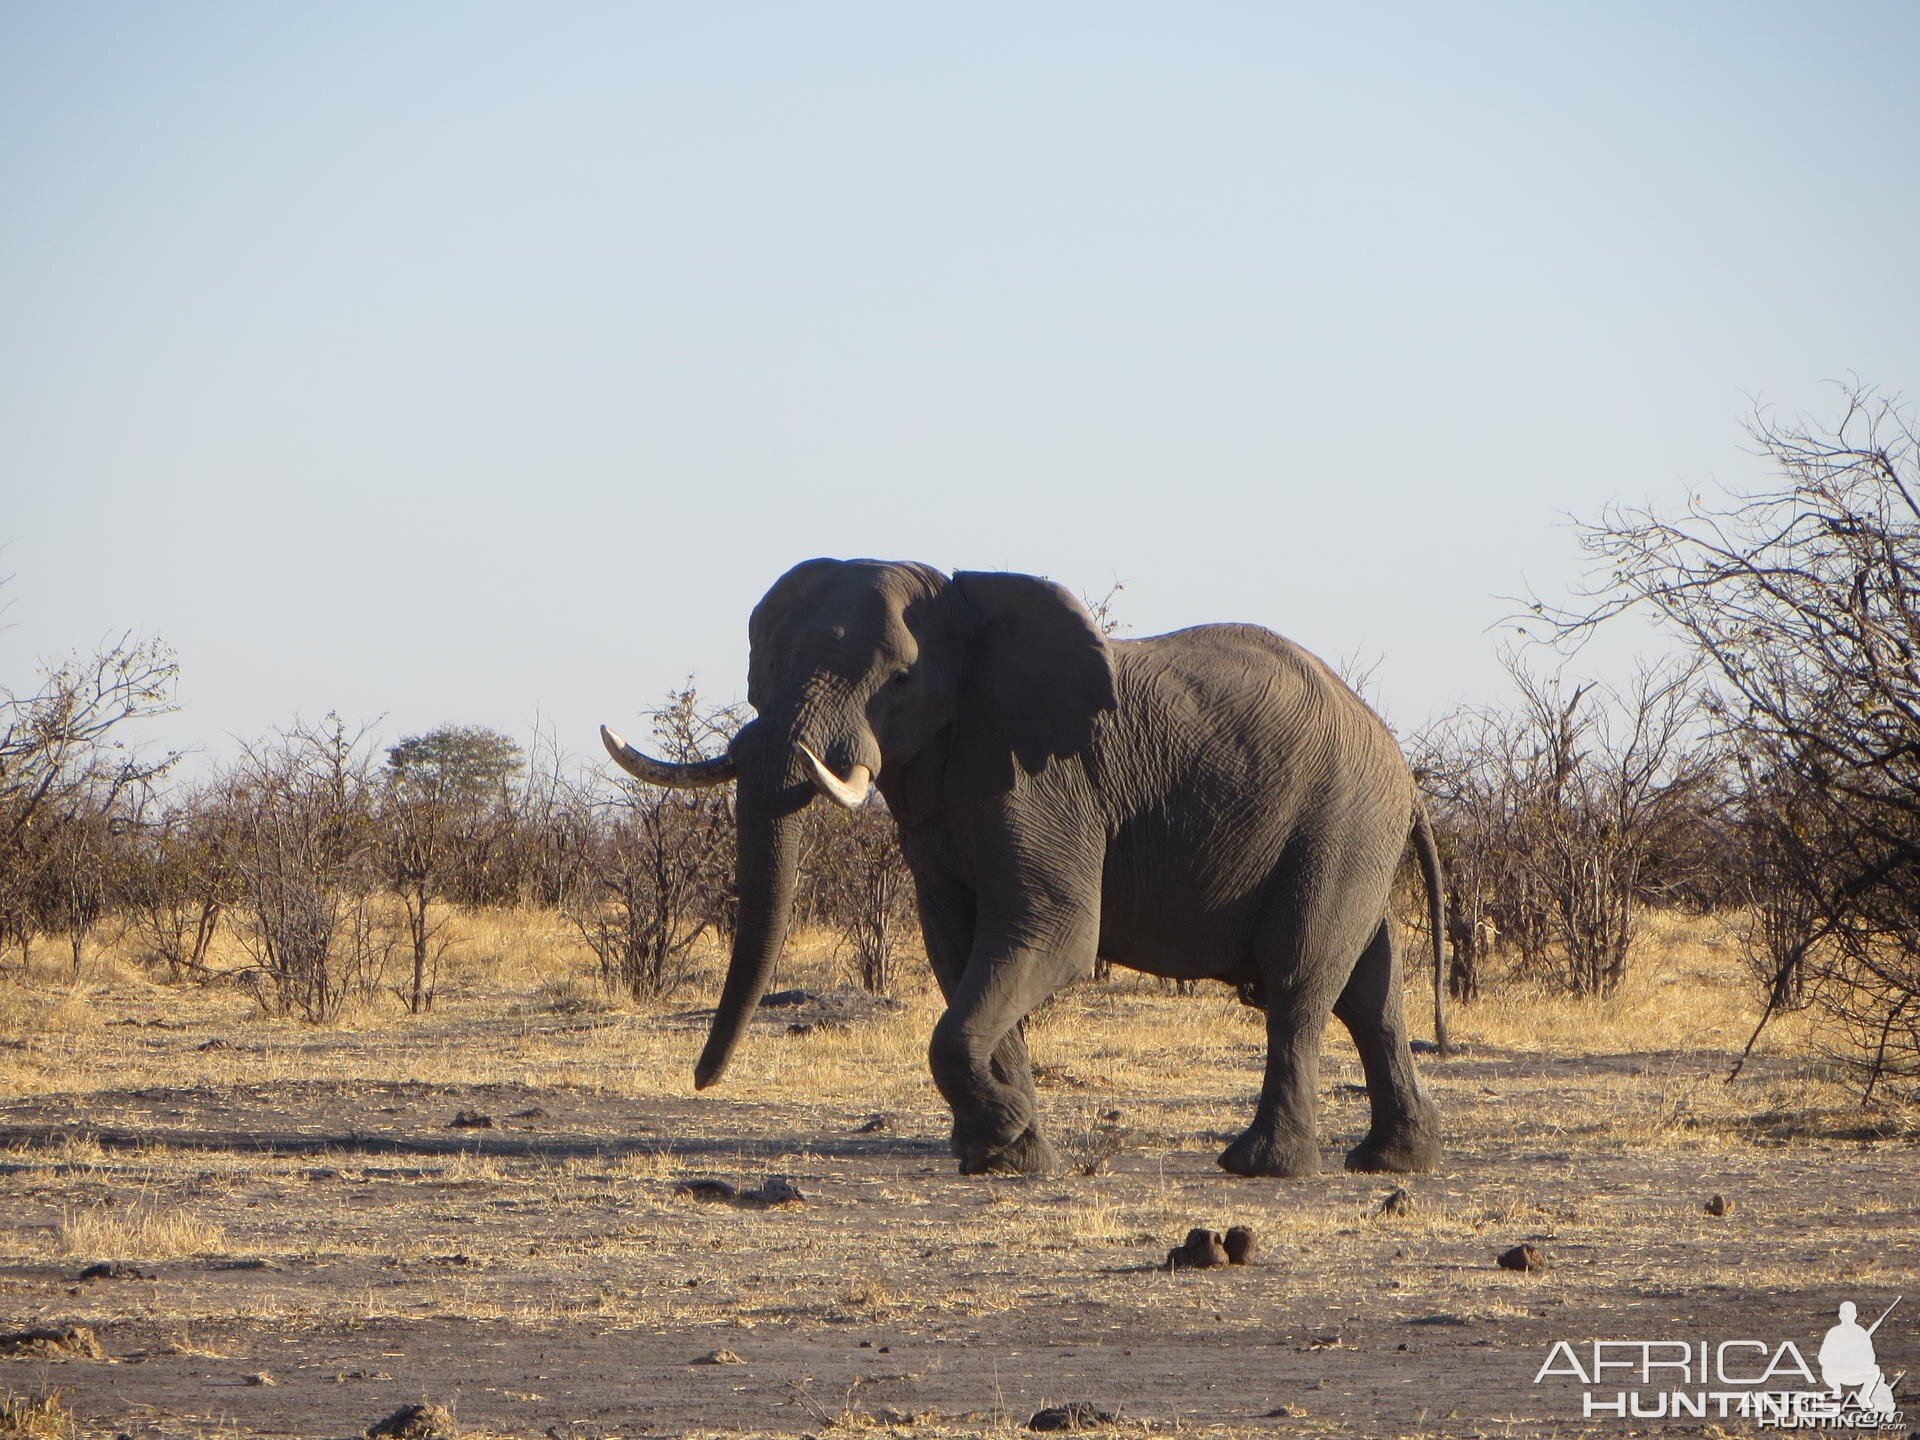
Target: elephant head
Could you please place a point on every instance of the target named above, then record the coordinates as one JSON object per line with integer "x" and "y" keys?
{"x": 858, "y": 669}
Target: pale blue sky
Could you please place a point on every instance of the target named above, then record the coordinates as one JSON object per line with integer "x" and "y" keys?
{"x": 453, "y": 362}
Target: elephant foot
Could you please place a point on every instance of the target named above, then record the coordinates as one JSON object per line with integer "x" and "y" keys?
{"x": 1029, "y": 1153}
{"x": 1414, "y": 1150}
{"x": 1261, "y": 1152}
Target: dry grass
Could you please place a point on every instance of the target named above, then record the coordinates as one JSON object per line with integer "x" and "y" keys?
{"x": 36, "y": 1417}
{"x": 1686, "y": 988}
{"x": 142, "y": 1231}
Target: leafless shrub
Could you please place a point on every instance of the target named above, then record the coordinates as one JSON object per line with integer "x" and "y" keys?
{"x": 1551, "y": 814}
{"x": 658, "y": 863}
{"x": 866, "y": 891}
{"x": 70, "y": 786}
{"x": 299, "y": 838}
{"x": 1105, "y": 610}
{"x": 179, "y": 885}
{"x": 545, "y": 849}
{"x": 85, "y": 871}
{"x": 1092, "y": 1148}
{"x": 1801, "y": 600}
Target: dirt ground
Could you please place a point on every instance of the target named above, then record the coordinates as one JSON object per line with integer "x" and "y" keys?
{"x": 309, "y": 1240}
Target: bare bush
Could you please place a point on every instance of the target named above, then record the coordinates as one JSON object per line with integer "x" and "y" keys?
{"x": 1801, "y": 599}
{"x": 545, "y": 848}
{"x": 179, "y": 885}
{"x": 70, "y": 786}
{"x": 299, "y": 838}
{"x": 866, "y": 892}
{"x": 1557, "y": 816}
{"x": 658, "y": 863}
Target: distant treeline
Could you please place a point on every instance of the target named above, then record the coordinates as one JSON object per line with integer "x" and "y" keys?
{"x": 335, "y": 862}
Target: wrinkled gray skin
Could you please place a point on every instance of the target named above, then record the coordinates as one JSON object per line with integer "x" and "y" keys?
{"x": 1211, "y": 803}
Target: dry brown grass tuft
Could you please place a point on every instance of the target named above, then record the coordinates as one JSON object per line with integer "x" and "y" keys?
{"x": 36, "y": 1417}
{"x": 138, "y": 1232}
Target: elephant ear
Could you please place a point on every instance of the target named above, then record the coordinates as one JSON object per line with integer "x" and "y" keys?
{"x": 1039, "y": 670}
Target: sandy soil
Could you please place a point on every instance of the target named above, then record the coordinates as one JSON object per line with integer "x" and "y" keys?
{"x": 316, "y": 1243}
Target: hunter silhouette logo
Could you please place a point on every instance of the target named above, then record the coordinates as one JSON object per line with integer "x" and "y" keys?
{"x": 1848, "y": 1365}
{"x": 1763, "y": 1381}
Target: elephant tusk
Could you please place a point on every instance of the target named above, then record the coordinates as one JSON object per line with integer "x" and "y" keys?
{"x": 695, "y": 776}
{"x": 850, "y": 793}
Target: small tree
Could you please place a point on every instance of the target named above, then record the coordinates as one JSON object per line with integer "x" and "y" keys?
{"x": 866, "y": 892}
{"x": 299, "y": 840}
{"x": 1551, "y": 816}
{"x": 68, "y": 781}
{"x": 659, "y": 862}
{"x": 444, "y": 802}
{"x": 464, "y": 767}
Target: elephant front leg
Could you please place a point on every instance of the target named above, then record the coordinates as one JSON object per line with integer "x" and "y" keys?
{"x": 1013, "y": 1068}
{"x": 947, "y": 926}
{"x": 979, "y": 1059}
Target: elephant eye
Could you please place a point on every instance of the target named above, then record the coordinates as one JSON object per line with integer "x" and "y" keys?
{"x": 902, "y": 676}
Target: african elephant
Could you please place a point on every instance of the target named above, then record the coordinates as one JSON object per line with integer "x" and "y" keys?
{"x": 1210, "y": 803}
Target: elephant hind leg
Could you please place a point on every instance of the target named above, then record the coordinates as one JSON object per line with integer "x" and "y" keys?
{"x": 1405, "y": 1134}
{"x": 1309, "y": 938}
{"x": 1282, "y": 1139}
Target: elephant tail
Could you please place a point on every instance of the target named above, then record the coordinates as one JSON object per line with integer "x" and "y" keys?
{"x": 1436, "y": 918}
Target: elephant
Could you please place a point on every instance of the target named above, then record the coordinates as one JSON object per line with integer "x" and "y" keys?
{"x": 1210, "y": 803}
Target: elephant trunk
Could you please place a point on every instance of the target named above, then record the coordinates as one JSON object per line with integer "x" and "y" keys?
{"x": 768, "y": 819}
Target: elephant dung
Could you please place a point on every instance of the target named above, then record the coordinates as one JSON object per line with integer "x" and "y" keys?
{"x": 1530, "y": 1258}
{"x": 1203, "y": 1249}
{"x": 1241, "y": 1247}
